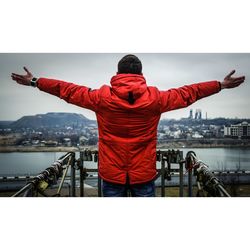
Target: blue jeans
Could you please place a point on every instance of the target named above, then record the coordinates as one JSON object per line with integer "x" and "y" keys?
{"x": 136, "y": 190}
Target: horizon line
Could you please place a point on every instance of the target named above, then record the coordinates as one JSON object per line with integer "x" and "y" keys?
{"x": 208, "y": 118}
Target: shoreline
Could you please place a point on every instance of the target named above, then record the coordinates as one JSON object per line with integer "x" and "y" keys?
{"x": 12, "y": 149}
{"x": 25, "y": 149}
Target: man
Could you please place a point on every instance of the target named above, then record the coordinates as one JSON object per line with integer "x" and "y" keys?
{"x": 128, "y": 113}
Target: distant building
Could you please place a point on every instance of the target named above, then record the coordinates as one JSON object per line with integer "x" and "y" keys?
{"x": 198, "y": 115}
{"x": 190, "y": 114}
{"x": 241, "y": 130}
{"x": 82, "y": 140}
{"x": 196, "y": 135}
{"x": 67, "y": 142}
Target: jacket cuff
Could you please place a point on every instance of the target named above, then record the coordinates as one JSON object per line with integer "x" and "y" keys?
{"x": 219, "y": 85}
{"x": 41, "y": 83}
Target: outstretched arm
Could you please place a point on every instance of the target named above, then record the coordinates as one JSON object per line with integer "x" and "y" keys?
{"x": 71, "y": 93}
{"x": 182, "y": 97}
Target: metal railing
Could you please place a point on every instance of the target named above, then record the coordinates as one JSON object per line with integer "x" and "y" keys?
{"x": 167, "y": 159}
{"x": 207, "y": 184}
{"x": 50, "y": 177}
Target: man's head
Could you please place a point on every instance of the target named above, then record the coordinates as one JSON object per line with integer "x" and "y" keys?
{"x": 130, "y": 64}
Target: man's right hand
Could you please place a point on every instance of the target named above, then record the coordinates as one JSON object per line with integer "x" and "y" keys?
{"x": 22, "y": 79}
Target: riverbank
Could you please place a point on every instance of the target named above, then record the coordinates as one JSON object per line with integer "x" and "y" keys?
{"x": 205, "y": 143}
{"x": 180, "y": 145}
{"x": 26, "y": 149}
{"x": 170, "y": 145}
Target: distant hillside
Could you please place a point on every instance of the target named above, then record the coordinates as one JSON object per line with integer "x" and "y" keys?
{"x": 5, "y": 124}
{"x": 50, "y": 120}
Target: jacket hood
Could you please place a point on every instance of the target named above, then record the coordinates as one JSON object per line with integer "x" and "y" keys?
{"x": 123, "y": 84}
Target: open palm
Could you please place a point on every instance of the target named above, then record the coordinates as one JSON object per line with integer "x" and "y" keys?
{"x": 232, "y": 82}
{"x": 22, "y": 79}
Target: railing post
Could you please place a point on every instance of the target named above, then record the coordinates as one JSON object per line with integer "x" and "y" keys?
{"x": 99, "y": 184}
{"x": 81, "y": 182}
{"x": 162, "y": 176}
{"x": 190, "y": 182}
{"x": 81, "y": 175}
{"x": 189, "y": 167}
{"x": 73, "y": 176}
{"x": 181, "y": 179}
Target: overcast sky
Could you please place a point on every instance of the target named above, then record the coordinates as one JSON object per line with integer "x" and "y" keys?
{"x": 93, "y": 70}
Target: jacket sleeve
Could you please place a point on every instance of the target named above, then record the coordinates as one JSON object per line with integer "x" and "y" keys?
{"x": 75, "y": 94}
{"x": 182, "y": 97}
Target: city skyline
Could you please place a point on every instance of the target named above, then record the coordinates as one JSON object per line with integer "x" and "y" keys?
{"x": 164, "y": 71}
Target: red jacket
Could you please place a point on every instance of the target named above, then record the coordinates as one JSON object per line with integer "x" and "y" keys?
{"x": 128, "y": 132}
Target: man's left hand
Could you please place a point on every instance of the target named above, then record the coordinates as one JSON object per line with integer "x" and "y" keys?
{"x": 232, "y": 82}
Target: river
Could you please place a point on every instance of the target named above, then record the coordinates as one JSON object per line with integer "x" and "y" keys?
{"x": 20, "y": 164}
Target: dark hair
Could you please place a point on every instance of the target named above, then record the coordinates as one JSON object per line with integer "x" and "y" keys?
{"x": 130, "y": 64}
